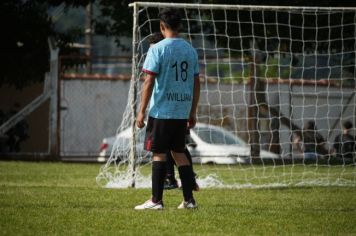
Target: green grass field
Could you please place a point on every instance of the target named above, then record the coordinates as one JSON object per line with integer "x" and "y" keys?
{"x": 64, "y": 199}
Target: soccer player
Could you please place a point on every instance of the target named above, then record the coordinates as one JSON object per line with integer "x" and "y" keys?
{"x": 172, "y": 88}
{"x": 170, "y": 180}
{"x": 310, "y": 142}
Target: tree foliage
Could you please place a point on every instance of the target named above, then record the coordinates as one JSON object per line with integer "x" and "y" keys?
{"x": 26, "y": 26}
{"x": 269, "y": 36}
{"x": 118, "y": 14}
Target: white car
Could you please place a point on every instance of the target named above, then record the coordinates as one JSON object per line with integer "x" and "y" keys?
{"x": 207, "y": 144}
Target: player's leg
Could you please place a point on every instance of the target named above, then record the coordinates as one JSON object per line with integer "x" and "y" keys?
{"x": 158, "y": 175}
{"x": 159, "y": 170}
{"x": 189, "y": 157}
{"x": 155, "y": 142}
{"x": 177, "y": 144}
{"x": 187, "y": 178}
{"x": 170, "y": 180}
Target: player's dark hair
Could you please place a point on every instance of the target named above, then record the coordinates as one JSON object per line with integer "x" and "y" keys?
{"x": 347, "y": 124}
{"x": 155, "y": 38}
{"x": 171, "y": 18}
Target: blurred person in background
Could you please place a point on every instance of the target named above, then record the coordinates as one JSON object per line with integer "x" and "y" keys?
{"x": 345, "y": 143}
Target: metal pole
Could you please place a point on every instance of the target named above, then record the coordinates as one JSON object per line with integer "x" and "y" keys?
{"x": 54, "y": 135}
{"x": 252, "y": 119}
{"x": 133, "y": 96}
{"x": 254, "y": 137}
{"x": 88, "y": 36}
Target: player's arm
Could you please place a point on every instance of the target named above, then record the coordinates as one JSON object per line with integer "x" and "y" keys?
{"x": 196, "y": 95}
{"x": 151, "y": 69}
{"x": 146, "y": 93}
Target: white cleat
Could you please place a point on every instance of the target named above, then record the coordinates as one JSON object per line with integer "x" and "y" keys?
{"x": 191, "y": 204}
{"x": 149, "y": 205}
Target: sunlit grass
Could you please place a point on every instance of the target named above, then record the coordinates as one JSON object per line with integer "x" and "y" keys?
{"x": 64, "y": 199}
{"x": 260, "y": 175}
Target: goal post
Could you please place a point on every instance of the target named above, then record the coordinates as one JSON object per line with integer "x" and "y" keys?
{"x": 133, "y": 97}
{"x": 266, "y": 73}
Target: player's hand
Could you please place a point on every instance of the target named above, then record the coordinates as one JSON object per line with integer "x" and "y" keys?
{"x": 140, "y": 123}
{"x": 192, "y": 121}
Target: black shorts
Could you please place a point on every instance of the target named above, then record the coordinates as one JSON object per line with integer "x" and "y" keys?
{"x": 163, "y": 135}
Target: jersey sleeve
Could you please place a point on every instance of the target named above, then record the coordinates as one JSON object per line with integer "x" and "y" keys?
{"x": 151, "y": 64}
{"x": 196, "y": 65}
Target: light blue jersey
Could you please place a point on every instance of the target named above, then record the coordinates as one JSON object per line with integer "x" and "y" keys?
{"x": 174, "y": 62}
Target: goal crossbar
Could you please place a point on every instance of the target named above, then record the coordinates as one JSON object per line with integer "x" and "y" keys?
{"x": 236, "y": 7}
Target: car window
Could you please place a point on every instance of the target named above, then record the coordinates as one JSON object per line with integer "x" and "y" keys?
{"x": 215, "y": 136}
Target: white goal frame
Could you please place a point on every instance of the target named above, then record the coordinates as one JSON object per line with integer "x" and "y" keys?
{"x": 132, "y": 106}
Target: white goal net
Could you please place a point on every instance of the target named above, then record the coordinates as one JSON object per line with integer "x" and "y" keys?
{"x": 277, "y": 87}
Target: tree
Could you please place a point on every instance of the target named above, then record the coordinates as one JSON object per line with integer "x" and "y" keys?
{"x": 26, "y": 26}
{"x": 118, "y": 16}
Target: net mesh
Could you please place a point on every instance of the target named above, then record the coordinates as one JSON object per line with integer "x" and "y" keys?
{"x": 277, "y": 84}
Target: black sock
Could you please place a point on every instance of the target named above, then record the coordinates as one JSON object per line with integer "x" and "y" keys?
{"x": 170, "y": 166}
{"x": 187, "y": 177}
{"x": 158, "y": 174}
{"x": 189, "y": 157}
